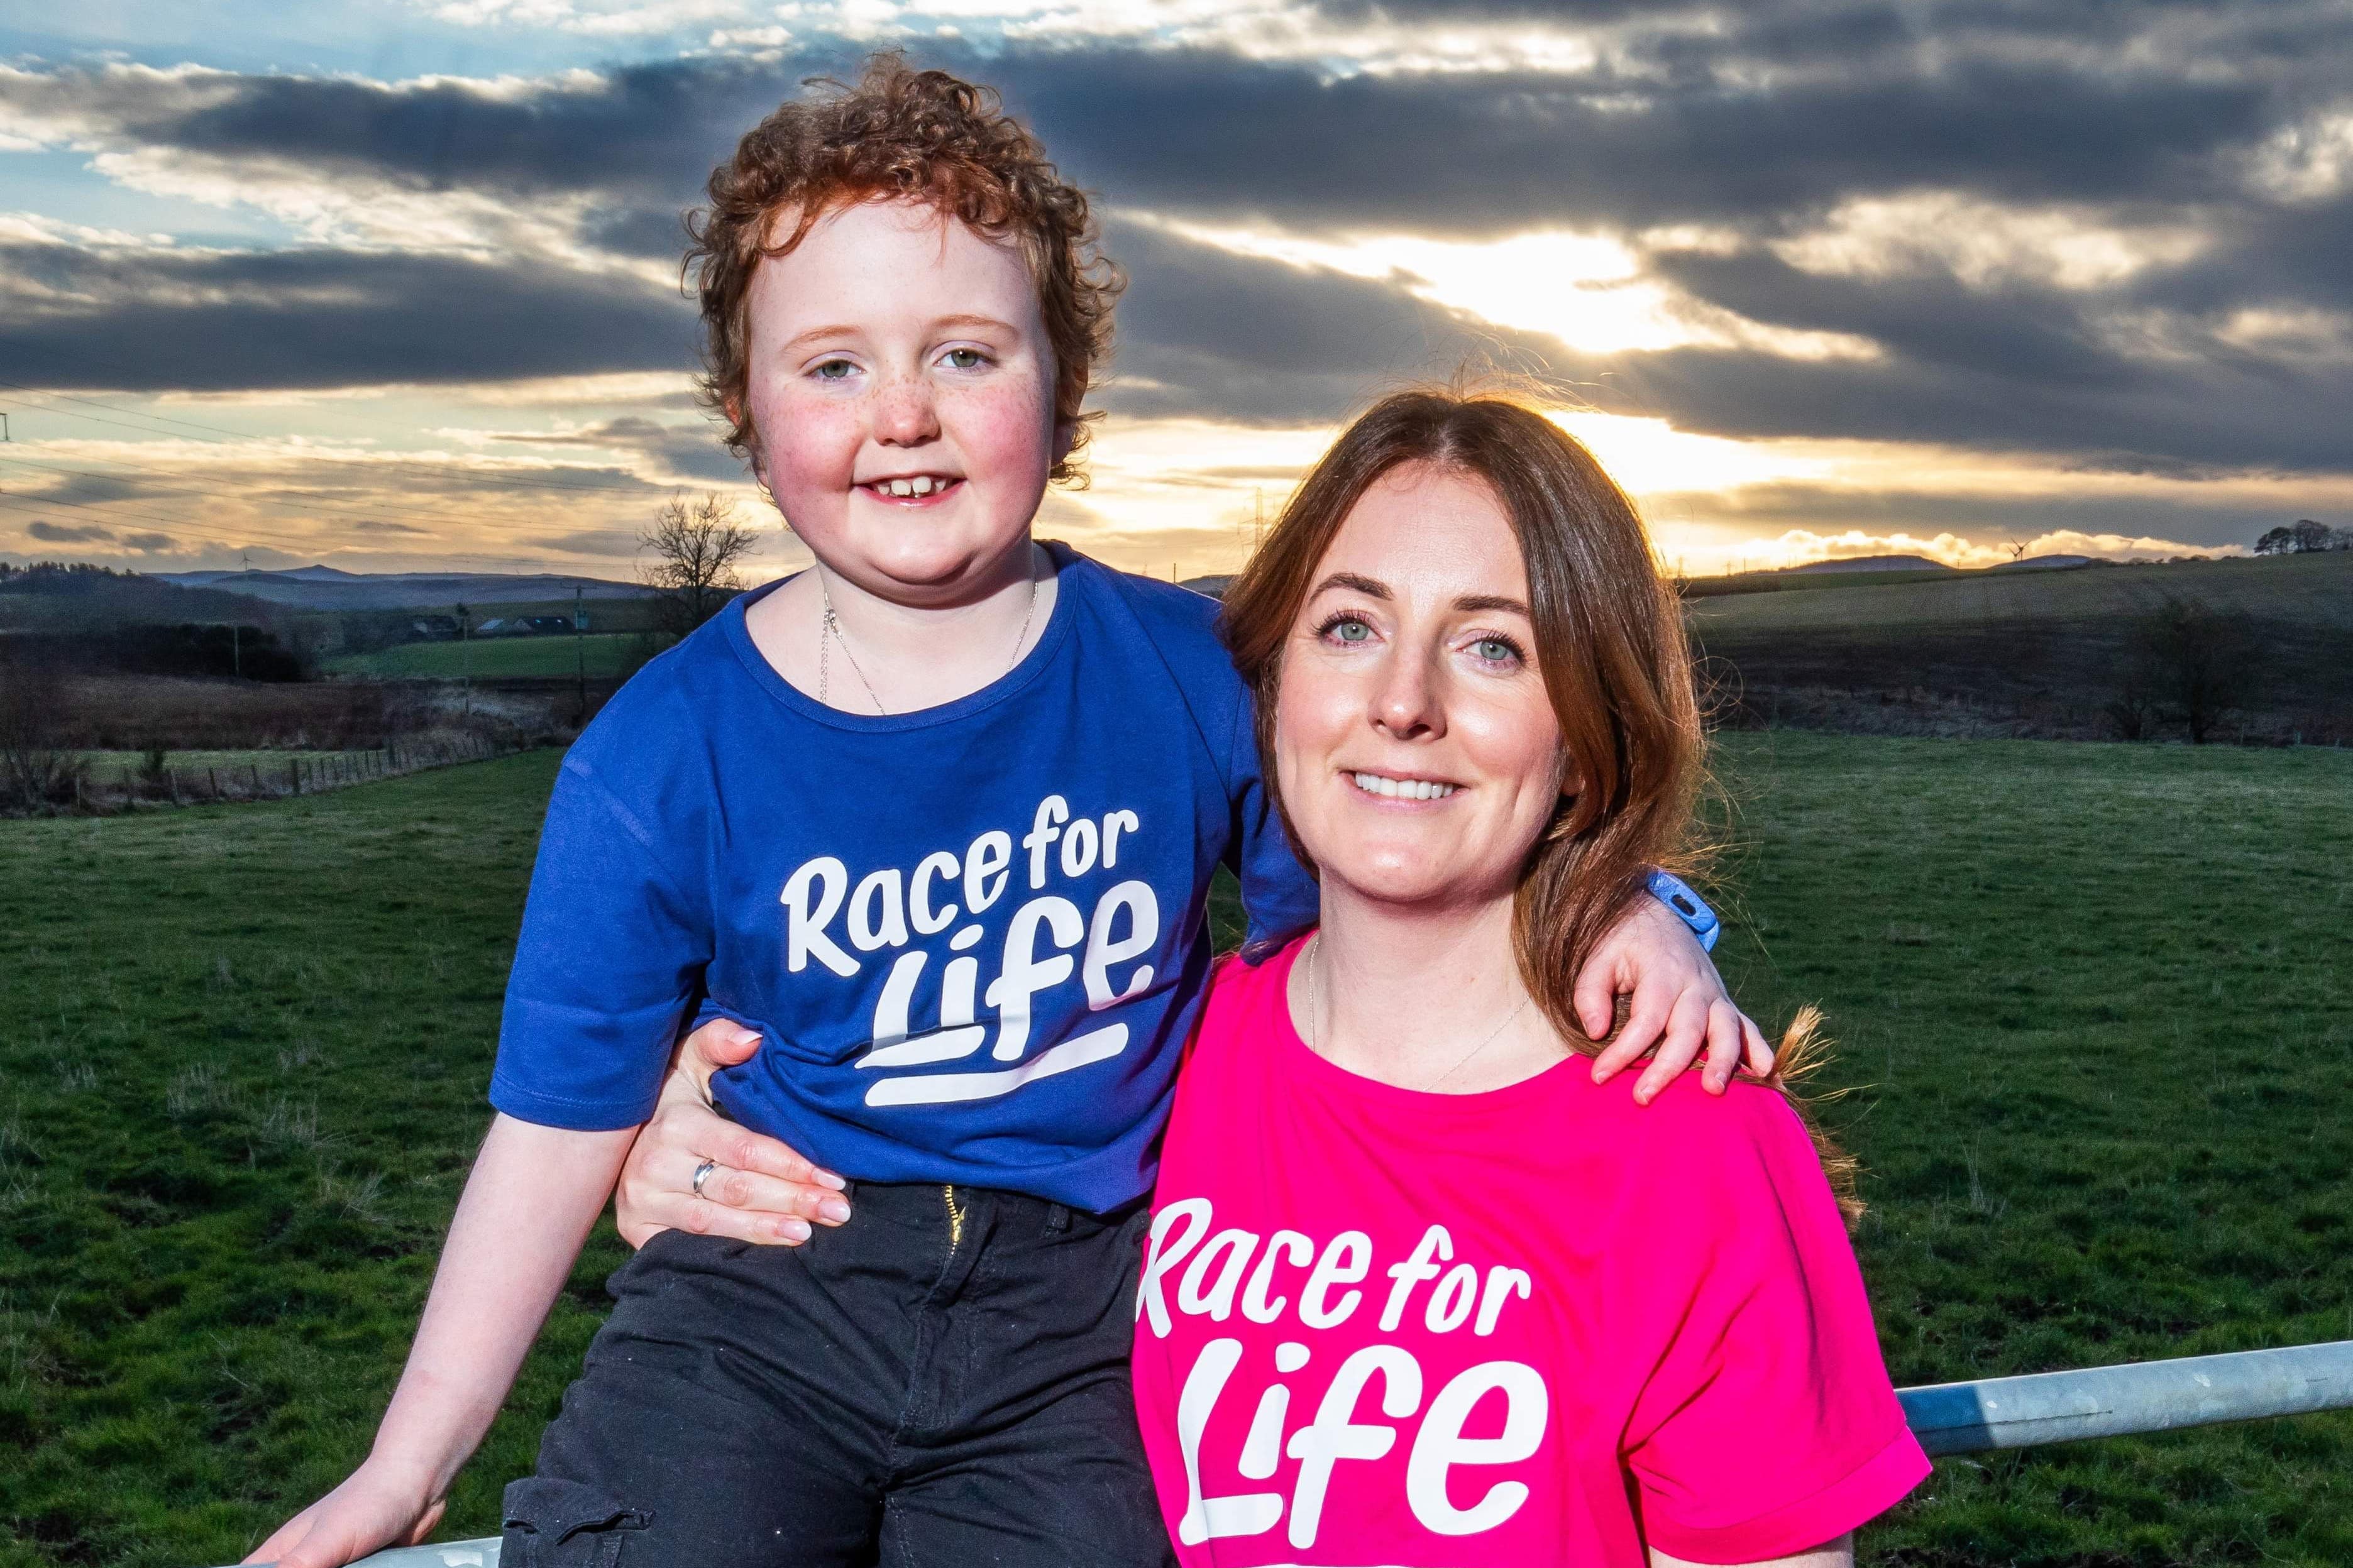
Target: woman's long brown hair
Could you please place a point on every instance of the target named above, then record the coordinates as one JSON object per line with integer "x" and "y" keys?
{"x": 1609, "y": 647}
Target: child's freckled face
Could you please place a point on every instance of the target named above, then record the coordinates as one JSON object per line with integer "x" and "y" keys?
{"x": 902, "y": 390}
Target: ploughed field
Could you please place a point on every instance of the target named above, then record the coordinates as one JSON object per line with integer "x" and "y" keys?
{"x": 2092, "y": 1001}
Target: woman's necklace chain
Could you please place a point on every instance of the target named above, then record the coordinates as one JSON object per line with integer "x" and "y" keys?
{"x": 1315, "y": 1011}
{"x": 828, "y": 632}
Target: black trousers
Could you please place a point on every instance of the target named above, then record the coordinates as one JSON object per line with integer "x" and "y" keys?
{"x": 941, "y": 1382}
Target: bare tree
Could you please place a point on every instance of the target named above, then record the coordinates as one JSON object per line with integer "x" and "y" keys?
{"x": 37, "y": 770}
{"x": 2200, "y": 661}
{"x": 695, "y": 545}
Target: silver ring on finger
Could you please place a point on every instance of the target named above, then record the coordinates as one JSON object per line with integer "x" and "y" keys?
{"x": 702, "y": 1174}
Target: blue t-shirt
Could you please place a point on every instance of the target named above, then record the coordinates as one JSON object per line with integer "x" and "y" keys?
{"x": 973, "y": 938}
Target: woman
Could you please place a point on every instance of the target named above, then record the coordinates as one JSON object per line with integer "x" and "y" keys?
{"x": 1417, "y": 1291}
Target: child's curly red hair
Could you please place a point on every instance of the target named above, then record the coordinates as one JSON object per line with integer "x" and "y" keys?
{"x": 900, "y": 133}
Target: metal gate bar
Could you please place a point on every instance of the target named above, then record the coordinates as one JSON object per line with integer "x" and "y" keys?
{"x": 1990, "y": 1414}
{"x": 2139, "y": 1397}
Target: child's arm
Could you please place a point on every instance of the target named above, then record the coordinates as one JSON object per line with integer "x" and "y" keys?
{"x": 528, "y": 1207}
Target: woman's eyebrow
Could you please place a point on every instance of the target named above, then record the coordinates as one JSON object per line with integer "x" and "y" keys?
{"x": 1474, "y": 604}
{"x": 1364, "y": 586}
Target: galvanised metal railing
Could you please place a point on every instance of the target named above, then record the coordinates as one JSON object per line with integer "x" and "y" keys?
{"x": 2139, "y": 1397}
{"x": 1990, "y": 1414}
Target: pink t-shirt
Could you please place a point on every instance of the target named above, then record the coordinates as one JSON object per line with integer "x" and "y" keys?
{"x": 1540, "y": 1325}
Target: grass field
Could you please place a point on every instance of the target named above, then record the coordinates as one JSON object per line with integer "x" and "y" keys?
{"x": 2096, "y": 995}
{"x": 608, "y": 656}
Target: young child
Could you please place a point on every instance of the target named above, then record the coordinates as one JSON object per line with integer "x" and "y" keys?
{"x": 938, "y": 819}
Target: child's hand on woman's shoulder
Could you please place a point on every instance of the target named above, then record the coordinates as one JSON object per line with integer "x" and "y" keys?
{"x": 1679, "y": 1005}
{"x": 757, "y": 1190}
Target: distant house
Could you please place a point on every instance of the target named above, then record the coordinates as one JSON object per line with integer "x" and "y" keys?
{"x": 523, "y": 626}
{"x": 440, "y": 628}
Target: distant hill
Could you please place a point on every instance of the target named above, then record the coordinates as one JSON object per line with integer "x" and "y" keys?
{"x": 327, "y": 588}
{"x": 1869, "y": 564}
{"x": 2313, "y": 590}
{"x": 95, "y": 601}
{"x": 2045, "y": 564}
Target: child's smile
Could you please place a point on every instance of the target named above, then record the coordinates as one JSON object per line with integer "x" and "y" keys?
{"x": 911, "y": 490}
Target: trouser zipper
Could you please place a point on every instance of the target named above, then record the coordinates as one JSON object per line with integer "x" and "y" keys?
{"x": 956, "y": 1218}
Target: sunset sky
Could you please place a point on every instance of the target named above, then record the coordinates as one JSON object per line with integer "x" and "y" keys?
{"x": 392, "y": 284}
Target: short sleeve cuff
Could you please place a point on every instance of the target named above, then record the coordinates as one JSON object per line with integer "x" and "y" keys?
{"x": 572, "y": 1115}
{"x": 1869, "y": 1489}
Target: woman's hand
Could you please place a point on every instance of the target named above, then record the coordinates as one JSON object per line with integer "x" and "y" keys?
{"x": 1679, "y": 1006}
{"x": 380, "y": 1504}
{"x": 761, "y": 1190}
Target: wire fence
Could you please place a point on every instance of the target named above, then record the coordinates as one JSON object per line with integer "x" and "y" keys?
{"x": 267, "y": 777}
{"x": 1978, "y": 1417}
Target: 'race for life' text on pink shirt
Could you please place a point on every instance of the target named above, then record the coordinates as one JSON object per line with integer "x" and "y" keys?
{"x": 1537, "y": 1326}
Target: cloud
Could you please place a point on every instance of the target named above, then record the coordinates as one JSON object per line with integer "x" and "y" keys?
{"x": 150, "y": 318}
{"x": 68, "y": 534}
{"x": 2116, "y": 239}
{"x": 689, "y": 451}
{"x": 614, "y": 542}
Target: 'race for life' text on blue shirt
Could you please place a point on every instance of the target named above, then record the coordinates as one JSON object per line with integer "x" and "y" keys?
{"x": 973, "y": 937}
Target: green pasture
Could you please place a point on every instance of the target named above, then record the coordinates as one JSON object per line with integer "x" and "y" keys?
{"x": 2093, "y": 999}
{"x": 2307, "y": 590}
{"x": 608, "y": 656}
{"x": 114, "y": 767}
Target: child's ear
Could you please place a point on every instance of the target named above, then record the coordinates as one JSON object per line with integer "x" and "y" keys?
{"x": 755, "y": 458}
{"x": 1065, "y": 439}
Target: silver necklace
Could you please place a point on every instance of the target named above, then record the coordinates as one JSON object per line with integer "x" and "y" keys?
{"x": 828, "y": 632}
{"x": 1315, "y": 1008}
